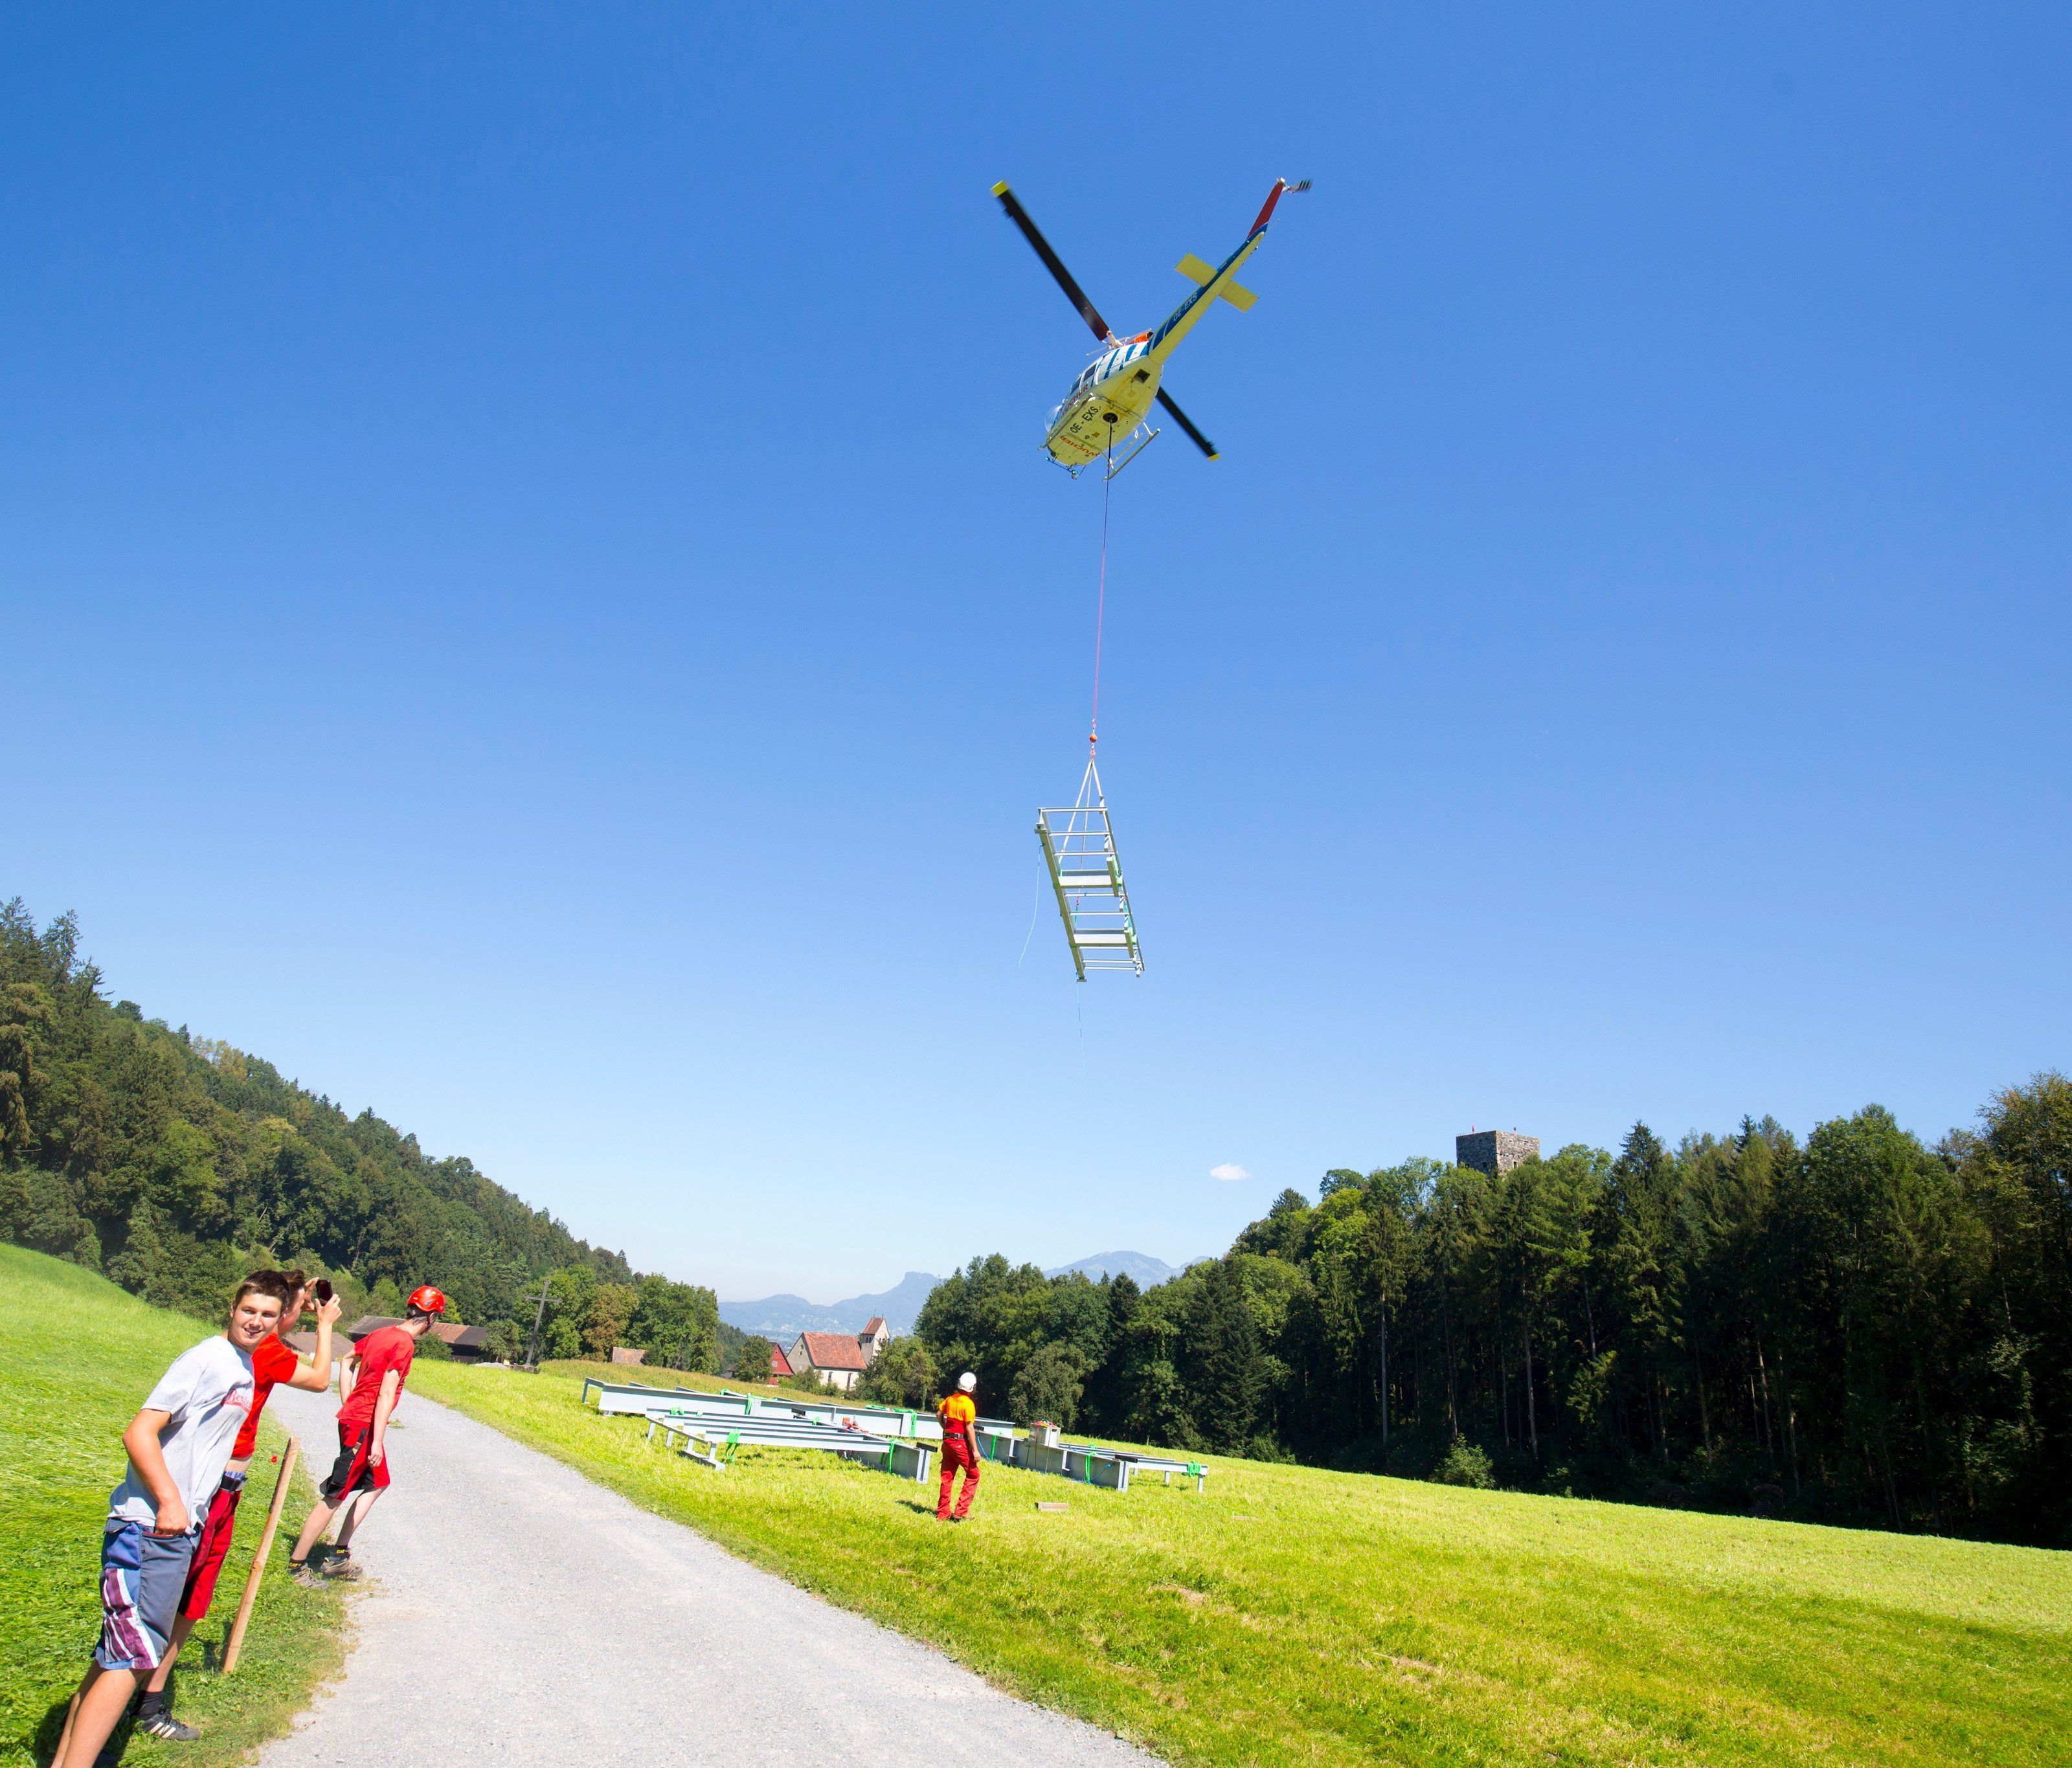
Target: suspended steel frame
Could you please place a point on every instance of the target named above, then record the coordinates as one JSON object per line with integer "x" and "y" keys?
{"x": 1086, "y": 873}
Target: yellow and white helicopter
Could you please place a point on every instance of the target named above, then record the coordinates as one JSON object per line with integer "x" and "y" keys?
{"x": 1110, "y": 402}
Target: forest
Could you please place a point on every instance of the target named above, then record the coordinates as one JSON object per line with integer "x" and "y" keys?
{"x": 1860, "y": 1329}
{"x": 175, "y": 1163}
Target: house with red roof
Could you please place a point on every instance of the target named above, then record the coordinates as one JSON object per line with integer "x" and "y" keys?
{"x": 835, "y": 1357}
{"x": 780, "y": 1365}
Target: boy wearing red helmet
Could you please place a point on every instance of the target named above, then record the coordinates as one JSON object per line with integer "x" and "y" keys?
{"x": 362, "y": 1465}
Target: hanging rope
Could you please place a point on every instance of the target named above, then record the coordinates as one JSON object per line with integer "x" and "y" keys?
{"x": 1101, "y": 604}
{"x": 1034, "y": 905}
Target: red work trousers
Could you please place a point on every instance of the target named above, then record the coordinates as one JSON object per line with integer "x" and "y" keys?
{"x": 957, "y": 1452}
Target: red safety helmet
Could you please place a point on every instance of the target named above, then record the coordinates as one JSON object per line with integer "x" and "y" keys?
{"x": 425, "y": 1299}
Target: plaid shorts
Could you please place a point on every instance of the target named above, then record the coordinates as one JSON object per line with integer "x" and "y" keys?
{"x": 142, "y": 1576}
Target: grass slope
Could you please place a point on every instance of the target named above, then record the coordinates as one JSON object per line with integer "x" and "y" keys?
{"x": 77, "y": 1356}
{"x": 1298, "y": 1616}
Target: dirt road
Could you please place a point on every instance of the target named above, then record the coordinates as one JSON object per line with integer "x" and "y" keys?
{"x": 521, "y": 1616}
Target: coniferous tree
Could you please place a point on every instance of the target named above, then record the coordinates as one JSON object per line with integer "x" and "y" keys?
{"x": 1222, "y": 1361}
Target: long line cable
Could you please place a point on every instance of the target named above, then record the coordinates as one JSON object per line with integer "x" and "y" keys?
{"x": 1101, "y": 603}
{"x": 1035, "y": 907}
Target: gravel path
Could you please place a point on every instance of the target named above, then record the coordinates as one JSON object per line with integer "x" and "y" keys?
{"x": 517, "y": 1614}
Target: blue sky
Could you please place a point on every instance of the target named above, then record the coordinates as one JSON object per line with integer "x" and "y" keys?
{"x": 532, "y": 599}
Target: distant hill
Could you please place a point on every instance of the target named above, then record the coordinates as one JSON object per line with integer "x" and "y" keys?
{"x": 781, "y": 1319}
{"x": 175, "y": 1164}
{"x": 1145, "y": 1272}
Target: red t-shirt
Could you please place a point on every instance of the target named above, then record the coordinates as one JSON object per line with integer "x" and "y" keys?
{"x": 390, "y": 1348}
{"x": 271, "y": 1362}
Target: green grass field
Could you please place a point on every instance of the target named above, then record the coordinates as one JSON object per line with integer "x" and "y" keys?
{"x": 1298, "y": 1616}
{"x": 77, "y": 1357}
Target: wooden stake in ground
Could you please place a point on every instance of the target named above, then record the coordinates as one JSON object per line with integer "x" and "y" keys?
{"x": 237, "y": 1641}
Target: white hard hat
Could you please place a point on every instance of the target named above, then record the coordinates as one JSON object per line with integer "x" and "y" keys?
{"x": 967, "y": 1382}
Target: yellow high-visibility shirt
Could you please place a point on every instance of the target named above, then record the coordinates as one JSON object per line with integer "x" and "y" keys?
{"x": 957, "y": 1411}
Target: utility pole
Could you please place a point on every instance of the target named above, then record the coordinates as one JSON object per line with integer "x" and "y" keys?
{"x": 539, "y": 1319}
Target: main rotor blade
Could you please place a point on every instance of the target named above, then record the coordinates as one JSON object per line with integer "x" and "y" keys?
{"x": 1187, "y": 424}
{"x": 1052, "y": 262}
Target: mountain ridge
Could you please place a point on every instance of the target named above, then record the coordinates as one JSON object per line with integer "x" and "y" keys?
{"x": 781, "y": 1319}
{"x": 1145, "y": 1271}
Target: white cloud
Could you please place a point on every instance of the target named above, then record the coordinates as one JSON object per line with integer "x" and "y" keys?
{"x": 1228, "y": 1171}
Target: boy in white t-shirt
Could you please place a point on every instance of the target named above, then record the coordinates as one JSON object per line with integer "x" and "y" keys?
{"x": 178, "y": 1445}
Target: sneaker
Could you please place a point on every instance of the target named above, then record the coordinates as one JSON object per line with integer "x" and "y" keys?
{"x": 306, "y": 1574}
{"x": 162, "y": 1724}
{"x": 342, "y": 1567}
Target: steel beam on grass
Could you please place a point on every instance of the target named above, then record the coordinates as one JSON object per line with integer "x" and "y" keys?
{"x": 629, "y": 1398}
{"x": 907, "y": 1460}
{"x": 1166, "y": 1464}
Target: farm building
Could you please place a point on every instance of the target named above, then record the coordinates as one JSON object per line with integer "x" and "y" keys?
{"x": 304, "y": 1344}
{"x": 469, "y": 1344}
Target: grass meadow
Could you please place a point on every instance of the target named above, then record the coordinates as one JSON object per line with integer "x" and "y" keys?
{"x": 77, "y": 1356}
{"x": 1294, "y": 1615}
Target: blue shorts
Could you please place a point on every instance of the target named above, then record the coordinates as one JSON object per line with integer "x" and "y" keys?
{"x": 142, "y": 1577}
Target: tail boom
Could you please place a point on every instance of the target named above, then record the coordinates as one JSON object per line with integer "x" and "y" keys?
{"x": 1220, "y": 283}
{"x": 1281, "y": 187}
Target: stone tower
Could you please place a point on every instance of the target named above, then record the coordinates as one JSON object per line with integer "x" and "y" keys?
{"x": 1494, "y": 1151}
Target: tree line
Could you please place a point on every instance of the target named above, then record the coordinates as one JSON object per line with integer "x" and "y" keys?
{"x": 1860, "y": 1329}
{"x": 175, "y": 1164}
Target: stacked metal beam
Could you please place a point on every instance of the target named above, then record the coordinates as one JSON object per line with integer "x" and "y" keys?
{"x": 1087, "y": 1463}
{"x": 903, "y": 1440}
{"x": 712, "y": 1425}
{"x": 884, "y": 1420}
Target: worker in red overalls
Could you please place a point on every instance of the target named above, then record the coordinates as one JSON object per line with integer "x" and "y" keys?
{"x": 960, "y": 1415}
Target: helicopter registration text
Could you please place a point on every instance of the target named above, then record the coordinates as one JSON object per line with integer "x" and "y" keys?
{"x": 1108, "y": 401}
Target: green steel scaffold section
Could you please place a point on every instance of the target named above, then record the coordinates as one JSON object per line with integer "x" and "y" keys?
{"x": 1086, "y": 874}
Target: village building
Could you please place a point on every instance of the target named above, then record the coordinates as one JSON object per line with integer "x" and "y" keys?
{"x": 836, "y": 1357}
{"x": 874, "y": 1337}
{"x": 780, "y": 1365}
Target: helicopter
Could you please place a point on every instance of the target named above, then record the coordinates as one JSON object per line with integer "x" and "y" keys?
{"x": 1112, "y": 396}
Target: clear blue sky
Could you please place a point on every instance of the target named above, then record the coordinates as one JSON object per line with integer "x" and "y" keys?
{"x": 532, "y": 599}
